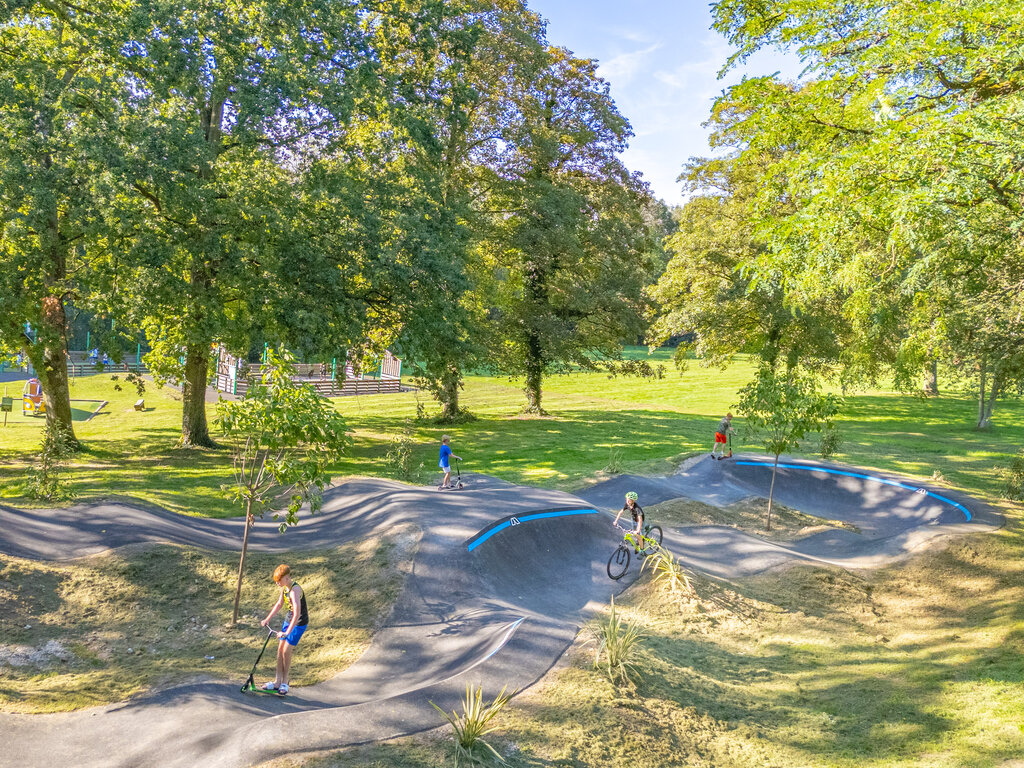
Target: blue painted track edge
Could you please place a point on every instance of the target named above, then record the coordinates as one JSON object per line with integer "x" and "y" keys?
{"x": 478, "y": 539}
{"x": 886, "y": 481}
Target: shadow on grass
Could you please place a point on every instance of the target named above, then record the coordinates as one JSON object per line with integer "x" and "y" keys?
{"x": 157, "y": 615}
{"x": 893, "y": 433}
{"x": 826, "y": 679}
{"x": 562, "y": 449}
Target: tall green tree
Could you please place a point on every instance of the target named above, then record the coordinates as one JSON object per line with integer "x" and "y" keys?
{"x": 569, "y": 252}
{"x": 454, "y": 108}
{"x": 57, "y": 96}
{"x": 709, "y": 295}
{"x": 227, "y": 102}
{"x": 899, "y": 153}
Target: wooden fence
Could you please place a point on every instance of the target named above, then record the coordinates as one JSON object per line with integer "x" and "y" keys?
{"x": 324, "y": 387}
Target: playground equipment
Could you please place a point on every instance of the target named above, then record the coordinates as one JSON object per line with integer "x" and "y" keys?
{"x": 328, "y": 379}
{"x": 32, "y": 403}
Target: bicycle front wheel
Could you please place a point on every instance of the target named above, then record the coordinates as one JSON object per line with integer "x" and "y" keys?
{"x": 652, "y": 539}
{"x": 618, "y": 563}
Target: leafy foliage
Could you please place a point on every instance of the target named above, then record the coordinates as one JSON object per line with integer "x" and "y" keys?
{"x": 570, "y": 252}
{"x": 473, "y": 724}
{"x": 1013, "y": 476}
{"x": 57, "y": 92}
{"x": 283, "y": 438}
{"x": 481, "y": 56}
{"x": 399, "y": 455}
{"x": 830, "y": 443}
{"x": 224, "y": 223}
{"x": 709, "y": 295}
{"x": 780, "y": 409}
{"x": 893, "y": 154}
{"x": 47, "y": 479}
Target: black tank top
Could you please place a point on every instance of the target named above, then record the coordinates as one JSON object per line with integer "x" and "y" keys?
{"x": 637, "y": 512}
{"x": 303, "y": 613}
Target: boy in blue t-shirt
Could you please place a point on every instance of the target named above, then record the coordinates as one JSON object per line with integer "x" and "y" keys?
{"x": 446, "y": 453}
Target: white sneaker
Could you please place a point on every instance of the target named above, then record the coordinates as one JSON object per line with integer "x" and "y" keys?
{"x": 283, "y": 689}
{"x": 271, "y": 686}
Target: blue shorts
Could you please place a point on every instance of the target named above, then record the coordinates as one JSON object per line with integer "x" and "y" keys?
{"x": 295, "y": 635}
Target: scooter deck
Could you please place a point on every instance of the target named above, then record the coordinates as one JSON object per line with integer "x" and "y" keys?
{"x": 253, "y": 688}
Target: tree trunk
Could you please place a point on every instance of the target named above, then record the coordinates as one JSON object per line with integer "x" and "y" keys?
{"x": 194, "y": 430}
{"x": 534, "y": 374}
{"x": 987, "y": 405}
{"x": 241, "y": 561}
{"x": 931, "y": 378}
{"x": 771, "y": 494}
{"x": 56, "y": 392}
{"x": 982, "y": 421}
{"x": 52, "y": 368}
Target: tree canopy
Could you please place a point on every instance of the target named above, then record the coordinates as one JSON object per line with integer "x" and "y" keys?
{"x": 897, "y": 156}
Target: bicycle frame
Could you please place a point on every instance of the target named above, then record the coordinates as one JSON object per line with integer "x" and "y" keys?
{"x": 630, "y": 538}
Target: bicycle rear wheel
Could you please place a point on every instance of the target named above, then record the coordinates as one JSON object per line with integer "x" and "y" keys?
{"x": 653, "y": 533}
{"x": 618, "y": 563}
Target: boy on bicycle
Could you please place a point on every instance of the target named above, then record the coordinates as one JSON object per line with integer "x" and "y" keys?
{"x": 638, "y": 518}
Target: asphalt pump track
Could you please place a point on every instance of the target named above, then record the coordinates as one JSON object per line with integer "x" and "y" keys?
{"x": 503, "y": 577}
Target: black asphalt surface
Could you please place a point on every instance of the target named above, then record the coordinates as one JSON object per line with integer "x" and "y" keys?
{"x": 503, "y": 577}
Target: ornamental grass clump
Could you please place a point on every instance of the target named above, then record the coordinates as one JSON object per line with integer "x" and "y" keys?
{"x": 473, "y": 724}
{"x": 617, "y": 646}
{"x": 669, "y": 574}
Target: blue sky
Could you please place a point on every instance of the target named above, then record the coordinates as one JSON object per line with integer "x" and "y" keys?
{"x": 661, "y": 59}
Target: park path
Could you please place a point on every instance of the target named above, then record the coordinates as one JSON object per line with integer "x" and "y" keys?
{"x": 503, "y": 577}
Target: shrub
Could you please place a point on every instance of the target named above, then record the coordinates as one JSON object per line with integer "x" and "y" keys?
{"x": 399, "y": 455}
{"x": 473, "y": 724}
{"x": 830, "y": 443}
{"x": 1013, "y": 476}
{"x": 46, "y": 478}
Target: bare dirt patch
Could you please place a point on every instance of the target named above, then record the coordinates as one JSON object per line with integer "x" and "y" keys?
{"x": 749, "y": 515}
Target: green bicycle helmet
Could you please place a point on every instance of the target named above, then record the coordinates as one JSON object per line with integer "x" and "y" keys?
{"x": 631, "y": 496}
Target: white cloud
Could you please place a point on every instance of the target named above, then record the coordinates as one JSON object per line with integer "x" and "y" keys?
{"x": 625, "y": 66}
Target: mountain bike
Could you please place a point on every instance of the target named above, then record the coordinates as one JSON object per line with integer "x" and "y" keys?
{"x": 649, "y": 542}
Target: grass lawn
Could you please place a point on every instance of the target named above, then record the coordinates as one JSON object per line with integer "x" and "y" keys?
{"x": 598, "y": 425}
{"x": 127, "y": 452}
